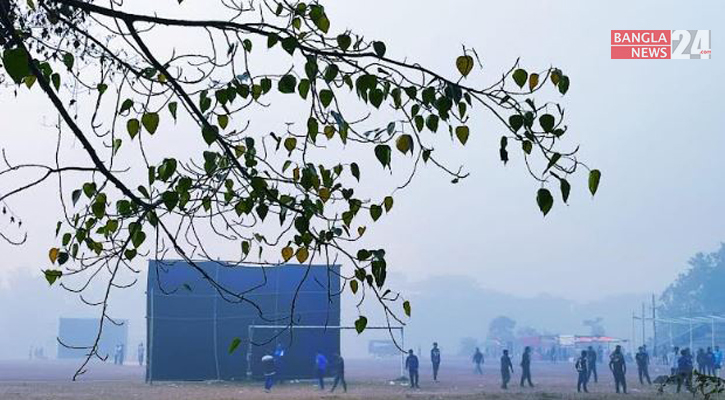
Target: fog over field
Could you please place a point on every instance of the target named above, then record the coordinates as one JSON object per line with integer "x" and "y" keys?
{"x": 462, "y": 254}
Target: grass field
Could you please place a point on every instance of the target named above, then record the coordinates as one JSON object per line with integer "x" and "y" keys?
{"x": 367, "y": 379}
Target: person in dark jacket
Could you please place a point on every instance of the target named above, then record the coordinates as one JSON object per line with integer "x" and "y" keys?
{"x": 582, "y": 368}
{"x": 478, "y": 360}
{"x": 507, "y": 368}
{"x": 643, "y": 365}
{"x": 684, "y": 370}
{"x": 435, "y": 358}
{"x": 618, "y": 366}
{"x": 592, "y": 364}
{"x": 411, "y": 364}
{"x": 269, "y": 370}
{"x": 526, "y": 367}
{"x": 339, "y": 368}
{"x": 709, "y": 362}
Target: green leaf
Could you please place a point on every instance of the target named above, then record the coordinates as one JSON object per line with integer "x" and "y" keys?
{"x": 388, "y": 203}
{"x": 75, "y": 196}
{"x": 52, "y": 275}
{"x": 290, "y": 144}
{"x": 170, "y": 199}
{"x": 331, "y": 73}
{"x": 375, "y": 212}
{"x": 353, "y": 286}
{"x": 133, "y": 126}
{"x": 326, "y": 97}
{"x": 304, "y": 88}
{"x": 210, "y": 134}
{"x": 150, "y": 122}
{"x": 223, "y": 120}
{"x": 464, "y": 65}
{"x": 16, "y": 63}
{"x": 130, "y": 254}
{"x": 68, "y": 60}
{"x": 462, "y": 134}
{"x": 383, "y": 153}
{"x": 55, "y": 78}
{"x": 101, "y": 87}
{"x": 138, "y": 237}
{"x": 379, "y": 48}
{"x": 552, "y": 161}
{"x": 125, "y": 106}
{"x": 527, "y": 146}
{"x": 323, "y": 23}
{"x": 520, "y": 76}
{"x": 404, "y": 144}
{"x": 547, "y": 122}
{"x": 516, "y": 122}
{"x": 360, "y": 324}
{"x": 344, "y": 42}
{"x": 544, "y": 200}
{"x": 406, "y": 308}
{"x": 594, "y": 176}
{"x": 235, "y": 343}
{"x": 563, "y": 84}
{"x": 89, "y": 189}
{"x": 355, "y": 169}
{"x": 432, "y": 122}
{"x": 289, "y": 44}
{"x": 565, "y": 189}
{"x": 287, "y": 84}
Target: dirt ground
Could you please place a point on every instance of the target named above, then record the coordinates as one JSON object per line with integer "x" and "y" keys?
{"x": 368, "y": 379}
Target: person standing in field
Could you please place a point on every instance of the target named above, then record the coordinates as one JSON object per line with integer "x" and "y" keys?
{"x": 592, "y": 364}
{"x": 674, "y": 366}
{"x": 321, "y": 368}
{"x": 507, "y": 368}
{"x": 582, "y": 368}
{"x": 339, "y": 368}
{"x": 710, "y": 362}
{"x": 684, "y": 370}
{"x": 717, "y": 358}
{"x": 269, "y": 370}
{"x": 618, "y": 366}
{"x": 411, "y": 364}
{"x": 526, "y": 367}
{"x": 141, "y": 353}
{"x": 642, "y": 359}
{"x": 435, "y": 358}
{"x": 700, "y": 358}
{"x": 278, "y": 356}
{"x": 478, "y": 360}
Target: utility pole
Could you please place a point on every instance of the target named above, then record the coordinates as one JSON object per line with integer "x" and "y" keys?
{"x": 644, "y": 339}
{"x": 654, "y": 326}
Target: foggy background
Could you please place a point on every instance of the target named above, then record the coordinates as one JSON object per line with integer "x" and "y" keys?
{"x": 464, "y": 254}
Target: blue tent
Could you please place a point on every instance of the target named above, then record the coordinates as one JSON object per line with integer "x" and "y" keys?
{"x": 195, "y": 313}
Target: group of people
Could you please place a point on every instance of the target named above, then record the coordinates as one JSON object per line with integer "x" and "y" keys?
{"x": 412, "y": 364}
{"x": 709, "y": 362}
{"x": 272, "y": 367}
{"x": 682, "y": 365}
{"x": 119, "y": 354}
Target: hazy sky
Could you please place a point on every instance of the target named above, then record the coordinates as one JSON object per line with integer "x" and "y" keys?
{"x": 652, "y": 126}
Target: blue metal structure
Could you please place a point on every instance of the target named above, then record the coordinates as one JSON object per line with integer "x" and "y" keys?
{"x": 192, "y": 322}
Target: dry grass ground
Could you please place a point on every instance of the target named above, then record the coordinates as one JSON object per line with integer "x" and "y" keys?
{"x": 366, "y": 379}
